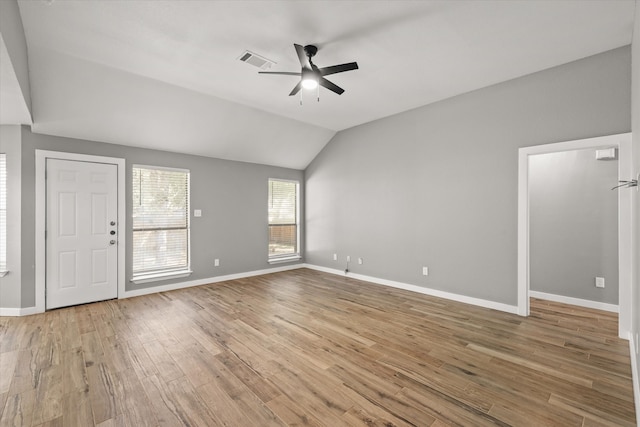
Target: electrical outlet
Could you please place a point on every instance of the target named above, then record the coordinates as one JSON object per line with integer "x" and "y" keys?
{"x": 425, "y": 271}
{"x": 216, "y": 262}
{"x": 599, "y": 282}
{"x": 360, "y": 261}
{"x": 348, "y": 258}
{"x": 335, "y": 257}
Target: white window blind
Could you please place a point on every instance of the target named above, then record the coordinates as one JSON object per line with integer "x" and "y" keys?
{"x": 160, "y": 220}
{"x": 3, "y": 213}
{"x": 283, "y": 218}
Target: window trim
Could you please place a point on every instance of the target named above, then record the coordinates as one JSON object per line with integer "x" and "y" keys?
{"x": 276, "y": 259}
{"x": 167, "y": 273}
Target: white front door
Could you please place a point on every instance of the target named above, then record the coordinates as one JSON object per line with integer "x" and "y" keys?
{"x": 81, "y": 232}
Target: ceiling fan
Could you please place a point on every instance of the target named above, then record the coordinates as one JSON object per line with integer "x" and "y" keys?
{"x": 311, "y": 75}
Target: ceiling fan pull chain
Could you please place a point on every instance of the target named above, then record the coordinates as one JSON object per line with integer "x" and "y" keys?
{"x": 318, "y": 92}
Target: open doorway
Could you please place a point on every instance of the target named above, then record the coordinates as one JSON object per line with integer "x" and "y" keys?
{"x": 623, "y": 145}
{"x": 573, "y": 227}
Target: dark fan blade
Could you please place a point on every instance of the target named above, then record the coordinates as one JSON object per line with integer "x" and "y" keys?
{"x": 283, "y": 73}
{"x": 332, "y": 87}
{"x": 338, "y": 68}
{"x": 296, "y": 89}
{"x": 302, "y": 56}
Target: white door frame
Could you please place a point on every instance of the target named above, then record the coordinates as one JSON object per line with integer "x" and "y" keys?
{"x": 625, "y": 167}
{"x": 41, "y": 217}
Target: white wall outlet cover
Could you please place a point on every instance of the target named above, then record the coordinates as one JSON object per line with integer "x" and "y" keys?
{"x": 197, "y": 212}
{"x": 360, "y": 261}
{"x": 599, "y": 282}
{"x": 425, "y": 271}
{"x": 335, "y": 257}
{"x": 348, "y": 258}
{"x": 216, "y": 262}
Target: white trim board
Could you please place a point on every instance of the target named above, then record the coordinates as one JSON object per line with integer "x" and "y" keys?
{"x": 614, "y": 308}
{"x": 210, "y": 280}
{"x": 625, "y": 227}
{"x": 398, "y": 285}
{"x": 41, "y": 216}
{"x": 421, "y": 290}
{"x": 164, "y": 288}
{"x": 15, "y": 312}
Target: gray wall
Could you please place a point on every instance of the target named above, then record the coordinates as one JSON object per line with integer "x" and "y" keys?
{"x": 16, "y": 43}
{"x": 437, "y": 186}
{"x": 573, "y": 228}
{"x": 232, "y": 196}
{"x": 10, "y": 285}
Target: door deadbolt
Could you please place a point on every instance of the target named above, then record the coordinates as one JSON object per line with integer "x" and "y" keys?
{"x": 112, "y": 232}
{"x": 112, "y": 223}
{"x": 112, "y": 242}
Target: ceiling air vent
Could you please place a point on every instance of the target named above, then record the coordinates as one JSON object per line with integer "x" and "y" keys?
{"x": 256, "y": 60}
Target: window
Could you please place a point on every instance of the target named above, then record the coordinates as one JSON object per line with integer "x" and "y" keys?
{"x": 3, "y": 214}
{"x": 284, "y": 233}
{"x": 160, "y": 223}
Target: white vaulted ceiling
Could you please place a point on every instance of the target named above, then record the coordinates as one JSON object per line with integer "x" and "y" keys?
{"x": 166, "y": 74}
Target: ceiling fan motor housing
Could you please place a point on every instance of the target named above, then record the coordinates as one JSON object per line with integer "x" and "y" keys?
{"x": 310, "y": 50}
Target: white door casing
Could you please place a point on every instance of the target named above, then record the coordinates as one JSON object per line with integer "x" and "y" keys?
{"x": 81, "y": 234}
{"x": 625, "y": 251}
{"x": 42, "y": 158}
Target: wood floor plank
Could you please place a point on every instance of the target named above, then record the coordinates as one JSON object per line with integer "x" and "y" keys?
{"x": 305, "y": 348}
{"x": 167, "y": 410}
{"x": 291, "y": 413}
{"x": 8, "y": 361}
{"x": 164, "y": 363}
{"x": 76, "y": 409}
{"x": 193, "y": 409}
{"x": 18, "y": 410}
{"x": 226, "y": 412}
{"x": 49, "y": 395}
{"x": 102, "y": 392}
{"x": 139, "y": 358}
{"x": 74, "y": 374}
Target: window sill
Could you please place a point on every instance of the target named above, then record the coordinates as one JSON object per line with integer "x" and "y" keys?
{"x": 284, "y": 259}
{"x": 147, "y": 278}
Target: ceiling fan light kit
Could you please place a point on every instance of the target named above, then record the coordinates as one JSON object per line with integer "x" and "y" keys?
{"x": 311, "y": 77}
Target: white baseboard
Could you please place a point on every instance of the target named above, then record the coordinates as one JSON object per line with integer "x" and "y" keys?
{"x": 634, "y": 376}
{"x": 14, "y": 312}
{"x": 575, "y": 301}
{"x": 422, "y": 290}
{"x": 10, "y": 312}
{"x": 216, "y": 279}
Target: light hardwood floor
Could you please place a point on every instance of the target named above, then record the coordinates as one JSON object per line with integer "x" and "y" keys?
{"x": 308, "y": 348}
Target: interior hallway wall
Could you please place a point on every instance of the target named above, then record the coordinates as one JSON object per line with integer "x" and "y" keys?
{"x": 437, "y": 186}
{"x": 573, "y": 217}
